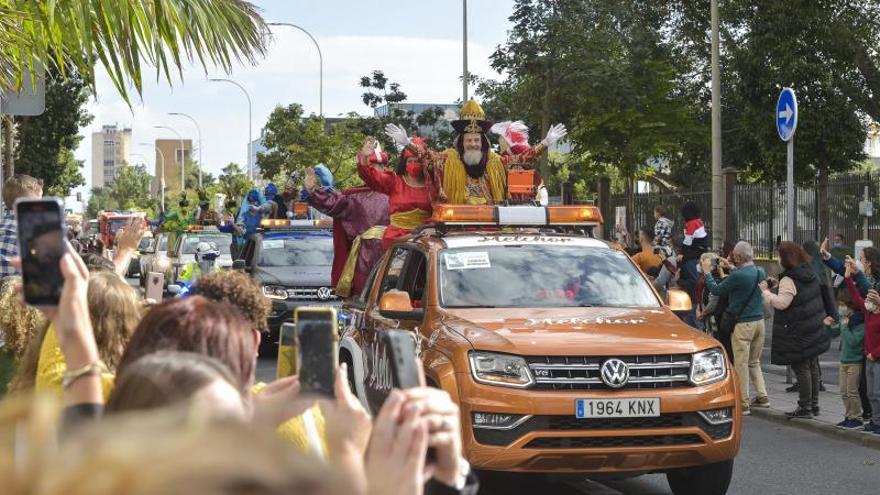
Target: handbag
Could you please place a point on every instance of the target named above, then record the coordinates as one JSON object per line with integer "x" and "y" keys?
{"x": 730, "y": 318}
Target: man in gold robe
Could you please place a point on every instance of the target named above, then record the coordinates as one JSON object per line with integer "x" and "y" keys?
{"x": 470, "y": 172}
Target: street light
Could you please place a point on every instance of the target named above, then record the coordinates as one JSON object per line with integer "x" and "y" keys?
{"x": 161, "y": 171}
{"x": 182, "y": 155}
{"x": 199, "y": 130}
{"x": 320, "y": 63}
{"x": 464, "y": 74}
{"x": 250, "y": 121}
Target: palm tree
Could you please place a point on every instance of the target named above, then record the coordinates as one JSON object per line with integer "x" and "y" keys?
{"x": 126, "y": 36}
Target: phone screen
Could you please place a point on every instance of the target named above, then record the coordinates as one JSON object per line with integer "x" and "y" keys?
{"x": 41, "y": 245}
{"x": 316, "y": 335}
{"x": 401, "y": 350}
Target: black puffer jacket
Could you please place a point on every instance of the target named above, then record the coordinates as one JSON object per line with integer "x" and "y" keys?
{"x": 798, "y": 332}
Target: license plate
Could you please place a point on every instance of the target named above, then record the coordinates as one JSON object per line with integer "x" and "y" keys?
{"x": 617, "y": 408}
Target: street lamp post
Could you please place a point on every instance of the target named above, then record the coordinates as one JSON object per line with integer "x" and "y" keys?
{"x": 719, "y": 201}
{"x": 464, "y": 72}
{"x": 161, "y": 172}
{"x": 199, "y": 131}
{"x": 320, "y": 62}
{"x": 250, "y": 122}
{"x": 182, "y": 155}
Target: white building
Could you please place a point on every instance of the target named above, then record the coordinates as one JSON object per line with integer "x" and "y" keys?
{"x": 111, "y": 148}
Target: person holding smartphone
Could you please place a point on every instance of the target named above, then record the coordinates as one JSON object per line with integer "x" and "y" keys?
{"x": 18, "y": 186}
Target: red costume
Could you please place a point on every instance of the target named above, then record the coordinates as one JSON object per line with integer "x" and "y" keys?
{"x": 409, "y": 206}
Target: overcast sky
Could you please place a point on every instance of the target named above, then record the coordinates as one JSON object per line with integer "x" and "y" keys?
{"x": 417, "y": 44}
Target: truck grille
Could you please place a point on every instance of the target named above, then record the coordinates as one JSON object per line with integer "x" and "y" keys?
{"x": 583, "y": 425}
{"x": 583, "y": 372}
{"x": 612, "y": 442}
{"x": 311, "y": 293}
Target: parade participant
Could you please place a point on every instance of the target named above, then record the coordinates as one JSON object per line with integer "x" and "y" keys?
{"x": 359, "y": 219}
{"x": 470, "y": 173}
{"x": 513, "y": 143}
{"x": 252, "y": 210}
{"x": 206, "y": 256}
{"x": 279, "y": 207}
{"x": 408, "y": 195}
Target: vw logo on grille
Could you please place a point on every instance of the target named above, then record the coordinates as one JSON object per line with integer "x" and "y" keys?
{"x": 615, "y": 373}
{"x": 324, "y": 293}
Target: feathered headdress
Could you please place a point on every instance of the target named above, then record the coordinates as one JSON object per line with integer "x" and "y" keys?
{"x": 514, "y": 134}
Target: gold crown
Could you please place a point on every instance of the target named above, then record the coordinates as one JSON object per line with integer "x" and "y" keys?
{"x": 472, "y": 111}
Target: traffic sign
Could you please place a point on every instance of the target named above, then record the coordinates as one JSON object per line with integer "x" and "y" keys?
{"x": 786, "y": 114}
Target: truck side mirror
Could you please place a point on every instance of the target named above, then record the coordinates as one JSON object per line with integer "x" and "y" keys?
{"x": 678, "y": 300}
{"x": 396, "y": 305}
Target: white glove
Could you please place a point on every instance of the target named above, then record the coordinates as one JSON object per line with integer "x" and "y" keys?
{"x": 555, "y": 133}
{"x": 397, "y": 134}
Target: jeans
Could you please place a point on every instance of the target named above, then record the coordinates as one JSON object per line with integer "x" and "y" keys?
{"x": 807, "y": 373}
{"x": 748, "y": 344}
{"x": 872, "y": 372}
{"x": 850, "y": 376}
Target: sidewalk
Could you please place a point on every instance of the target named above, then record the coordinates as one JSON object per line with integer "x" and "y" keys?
{"x": 830, "y": 404}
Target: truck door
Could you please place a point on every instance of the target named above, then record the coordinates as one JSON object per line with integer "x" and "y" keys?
{"x": 406, "y": 271}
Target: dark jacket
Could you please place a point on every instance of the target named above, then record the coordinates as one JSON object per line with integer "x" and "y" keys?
{"x": 798, "y": 331}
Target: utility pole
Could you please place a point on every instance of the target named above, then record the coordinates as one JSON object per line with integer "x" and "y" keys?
{"x": 464, "y": 43}
{"x": 719, "y": 201}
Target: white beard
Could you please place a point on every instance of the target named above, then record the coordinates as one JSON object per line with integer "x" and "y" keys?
{"x": 472, "y": 157}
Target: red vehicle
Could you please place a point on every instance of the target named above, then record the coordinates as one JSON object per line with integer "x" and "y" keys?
{"x": 109, "y": 223}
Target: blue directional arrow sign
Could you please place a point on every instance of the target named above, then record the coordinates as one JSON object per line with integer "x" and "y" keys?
{"x": 786, "y": 114}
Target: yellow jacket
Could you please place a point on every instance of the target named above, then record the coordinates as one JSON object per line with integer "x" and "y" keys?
{"x": 51, "y": 368}
{"x": 307, "y": 432}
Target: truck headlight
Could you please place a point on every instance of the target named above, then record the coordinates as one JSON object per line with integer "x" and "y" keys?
{"x": 274, "y": 292}
{"x": 708, "y": 367}
{"x": 500, "y": 369}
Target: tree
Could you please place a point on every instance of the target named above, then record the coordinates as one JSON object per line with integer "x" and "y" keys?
{"x": 125, "y": 36}
{"x": 608, "y": 70}
{"x": 380, "y": 91}
{"x": 45, "y": 142}
{"x": 294, "y": 142}
{"x": 233, "y": 182}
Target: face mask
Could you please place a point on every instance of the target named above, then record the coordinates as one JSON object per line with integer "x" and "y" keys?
{"x": 836, "y": 244}
{"x": 870, "y": 307}
{"x": 843, "y": 311}
{"x": 414, "y": 170}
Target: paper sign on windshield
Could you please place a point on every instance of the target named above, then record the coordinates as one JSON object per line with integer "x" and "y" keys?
{"x": 273, "y": 244}
{"x": 467, "y": 260}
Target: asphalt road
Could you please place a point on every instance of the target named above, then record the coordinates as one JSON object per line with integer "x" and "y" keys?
{"x": 774, "y": 460}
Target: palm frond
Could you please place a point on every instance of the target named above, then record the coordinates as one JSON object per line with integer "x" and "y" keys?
{"x": 126, "y": 36}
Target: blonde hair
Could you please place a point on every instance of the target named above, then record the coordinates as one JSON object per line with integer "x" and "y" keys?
{"x": 115, "y": 310}
{"x": 165, "y": 452}
{"x": 19, "y": 323}
{"x": 21, "y": 186}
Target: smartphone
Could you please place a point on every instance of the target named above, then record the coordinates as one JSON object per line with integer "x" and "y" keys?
{"x": 41, "y": 244}
{"x": 318, "y": 350}
{"x": 400, "y": 349}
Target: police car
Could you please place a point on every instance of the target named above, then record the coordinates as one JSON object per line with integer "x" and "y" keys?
{"x": 291, "y": 260}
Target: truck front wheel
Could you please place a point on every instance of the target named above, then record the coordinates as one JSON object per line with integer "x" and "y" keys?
{"x": 710, "y": 479}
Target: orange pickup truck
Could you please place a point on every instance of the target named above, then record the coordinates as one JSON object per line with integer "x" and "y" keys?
{"x": 558, "y": 350}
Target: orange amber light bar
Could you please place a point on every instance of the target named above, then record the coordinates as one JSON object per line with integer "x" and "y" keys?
{"x": 464, "y": 214}
{"x": 573, "y": 214}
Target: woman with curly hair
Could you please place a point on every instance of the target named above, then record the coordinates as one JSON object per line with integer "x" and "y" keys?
{"x": 19, "y": 324}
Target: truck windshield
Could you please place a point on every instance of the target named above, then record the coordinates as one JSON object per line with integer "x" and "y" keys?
{"x": 299, "y": 251}
{"x": 222, "y": 241}
{"x": 535, "y": 276}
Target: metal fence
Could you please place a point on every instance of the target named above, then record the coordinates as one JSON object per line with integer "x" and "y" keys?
{"x": 758, "y": 211}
